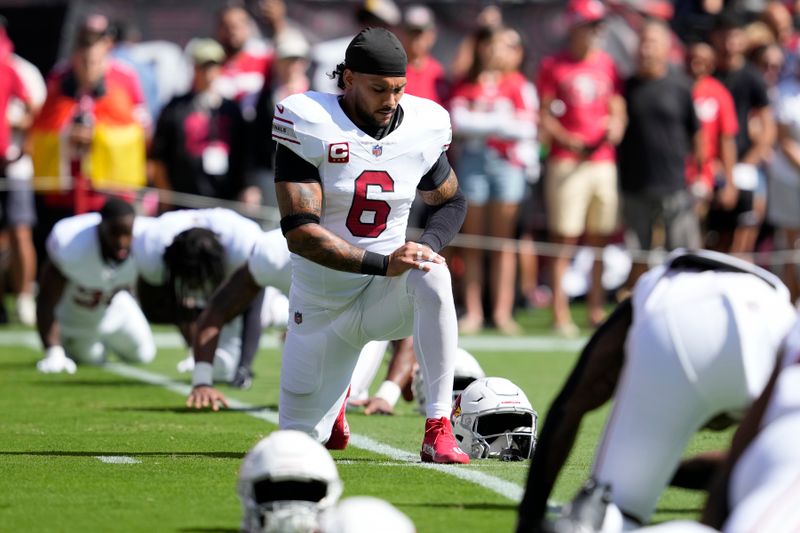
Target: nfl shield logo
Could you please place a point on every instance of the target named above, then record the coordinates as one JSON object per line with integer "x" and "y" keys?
{"x": 298, "y": 317}
{"x": 377, "y": 150}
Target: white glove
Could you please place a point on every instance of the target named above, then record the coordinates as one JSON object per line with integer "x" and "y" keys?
{"x": 55, "y": 361}
{"x": 186, "y": 365}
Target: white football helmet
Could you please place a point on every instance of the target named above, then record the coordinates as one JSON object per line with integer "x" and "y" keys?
{"x": 285, "y": 482}
{"x": 493, "y": 418}
{"x": 360, "y": 514}
{"x": 467, "y": 370}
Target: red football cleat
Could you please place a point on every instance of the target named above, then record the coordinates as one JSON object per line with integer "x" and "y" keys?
{"x": 439, "y": 444}
{"x": 340, "y": 433}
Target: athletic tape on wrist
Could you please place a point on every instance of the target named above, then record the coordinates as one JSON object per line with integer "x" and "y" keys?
{"x": 203, "y": 374}
{"x": 389, "y": 391}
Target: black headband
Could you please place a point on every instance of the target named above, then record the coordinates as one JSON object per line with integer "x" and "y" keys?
{"x": 376, "y": 51}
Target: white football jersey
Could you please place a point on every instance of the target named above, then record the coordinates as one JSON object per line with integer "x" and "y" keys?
{"x": 236, "y": 233}
{"x": 368, "y": 184}
{"x": 269, "y": 262}
{"x": 74, "y": 248}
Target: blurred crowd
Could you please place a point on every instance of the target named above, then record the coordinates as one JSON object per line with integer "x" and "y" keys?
{"x": 687, "y": 135}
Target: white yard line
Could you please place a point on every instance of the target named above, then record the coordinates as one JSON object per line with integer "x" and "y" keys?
{"x": 489, "y": 343}
{"x": 118, "y": 459}
{"x": 502, "y": 487}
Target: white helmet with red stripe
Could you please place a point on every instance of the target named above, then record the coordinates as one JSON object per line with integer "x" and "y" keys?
{"x": 494, "y": 419}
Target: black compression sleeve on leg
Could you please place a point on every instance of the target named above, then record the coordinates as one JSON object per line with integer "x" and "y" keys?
{"x": 445, "y": 222}
{"x": 251, "y": 331}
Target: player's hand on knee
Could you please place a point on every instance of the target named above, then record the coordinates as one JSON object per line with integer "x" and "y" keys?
{"x": 378, "y": 406}
{"x": 203, "y": 396}
{"x": 412, "y": 255}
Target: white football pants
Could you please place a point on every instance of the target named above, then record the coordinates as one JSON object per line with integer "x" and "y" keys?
{"x": 322, "y": 346}
{"x": 123, "y": 329}
{"x": 700, "y": 345}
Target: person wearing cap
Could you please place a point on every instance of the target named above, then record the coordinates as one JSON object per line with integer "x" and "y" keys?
{"x": 347, "y": 170}
{"x": 99, "y": 103}
{"x": 735, "y": 230}
{"x": 425, "y": 75}
{"x": 287, "y": 76}
{"x": 327, "y": 54}
{"x": 198, "y": 147}
{"x": 582, "y": 113}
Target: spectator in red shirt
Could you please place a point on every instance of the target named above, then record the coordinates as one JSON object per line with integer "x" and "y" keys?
{"x": 736, "y": 230}
{"x": 583, "y": 116}
{"x": 713, "y": 104}
{"x": 425, "y": 76}
{"x": 11, "y": 86}
{"x": 17, "y": 212}
{"x": 246, "y": 59}
{"x": 493, "y": 113}
{"x": 90, "y": 133}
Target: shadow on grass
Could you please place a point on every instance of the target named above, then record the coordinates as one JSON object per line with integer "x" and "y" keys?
{"x": 689, "y": 511}
{"x": 111, "y": 382}
{"x": 183, "y": 410}
{"x": 465, "y": 506}
{"x": 209, "y": 529}
{"x": 18, "y": 365}
{"x": 62, "y": 453}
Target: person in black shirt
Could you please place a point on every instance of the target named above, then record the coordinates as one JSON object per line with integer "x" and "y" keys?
{"x": 662, "y": 131}
{"x": 735, "y": 230}
{"x": 198, "y": 143}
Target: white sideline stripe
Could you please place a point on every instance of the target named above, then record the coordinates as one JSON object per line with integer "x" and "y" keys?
{"x": 490, "y": 343}
{"x": 117, "y": 459}
{"x": 500, "y": 486}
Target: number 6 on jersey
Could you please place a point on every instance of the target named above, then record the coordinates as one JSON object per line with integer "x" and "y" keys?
{"x": 358, "y": 217}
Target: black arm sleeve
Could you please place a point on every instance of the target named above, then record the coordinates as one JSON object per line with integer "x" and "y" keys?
{"x": 444, "y": 222}
{"x": 291, "y": 167}
{"x": 437, "y": 175}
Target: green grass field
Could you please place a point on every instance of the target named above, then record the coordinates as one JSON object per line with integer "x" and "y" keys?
{"x": 55, "y": 429}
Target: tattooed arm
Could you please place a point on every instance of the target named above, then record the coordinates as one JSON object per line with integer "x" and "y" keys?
{"x": 313, "y": 241}
{"x": 316, "y": 243}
